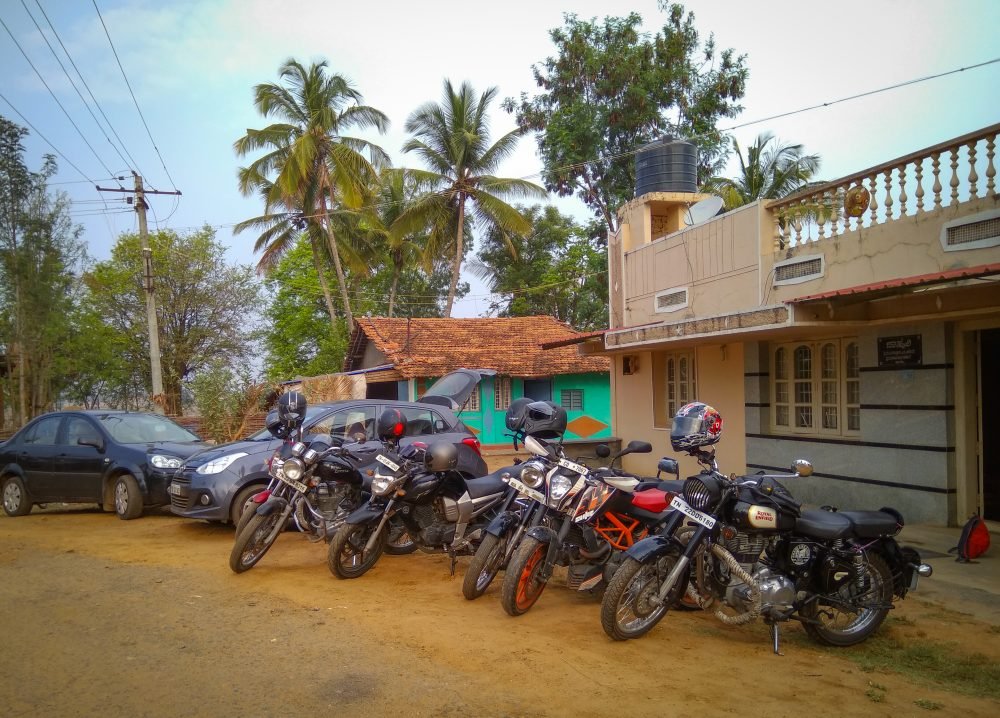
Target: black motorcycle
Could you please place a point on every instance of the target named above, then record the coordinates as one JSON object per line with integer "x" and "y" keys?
{"x": 441, "y": 510}
{"x": 754, "y": 552}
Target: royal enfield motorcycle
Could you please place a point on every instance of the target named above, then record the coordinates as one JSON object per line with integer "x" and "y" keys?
{"x": 594, "y": 515}
{"x": 755, "y": 553}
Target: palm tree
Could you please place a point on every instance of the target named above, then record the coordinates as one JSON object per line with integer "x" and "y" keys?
{"x": 771, "y": 170}
{"x": 315, "y": 168}
{"x": 453, "y": 139}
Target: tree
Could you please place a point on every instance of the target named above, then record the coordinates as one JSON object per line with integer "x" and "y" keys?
{"x": 771, "y": 170}
{"x": 560, "y": 269}
{"x": 309, "y": 168}
{"x": 205, "y": 307}
{"x": 611, "y": 89}
{"x": 453, "y": 139}
{"x": 226, "y": 398}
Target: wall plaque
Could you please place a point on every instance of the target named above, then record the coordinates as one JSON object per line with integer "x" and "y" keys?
{"x": 900, "y": 351}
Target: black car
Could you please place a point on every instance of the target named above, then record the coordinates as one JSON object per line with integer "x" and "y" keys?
{"x": 120, "y": 460}
{"x": 216, "y": 483}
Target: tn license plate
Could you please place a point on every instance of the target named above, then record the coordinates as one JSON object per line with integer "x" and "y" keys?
{"x": 529, "y": 492}
{"x": 680, "y": 505}
{"x": 297, "y": 485}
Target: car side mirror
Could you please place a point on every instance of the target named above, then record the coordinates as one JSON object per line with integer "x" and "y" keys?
{"x": 96, "y": 443}
{"x": 668, "y": 466}
{"x": 440, "y": 426}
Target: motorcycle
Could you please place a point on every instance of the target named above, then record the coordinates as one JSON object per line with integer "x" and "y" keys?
{"x": 313, "y": 485}
{"x": 441, "y": 510}
{"x": 599, "y": 514}
{"x": 754, "y": 552}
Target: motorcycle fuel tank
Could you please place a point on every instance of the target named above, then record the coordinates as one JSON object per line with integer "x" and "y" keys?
{"x": 761, "y": 518}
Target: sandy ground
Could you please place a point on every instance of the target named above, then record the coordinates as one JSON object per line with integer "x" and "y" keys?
{"x": 144, "y": 618}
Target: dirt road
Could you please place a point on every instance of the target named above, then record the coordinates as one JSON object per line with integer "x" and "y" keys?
{"x": 144, "y": 618}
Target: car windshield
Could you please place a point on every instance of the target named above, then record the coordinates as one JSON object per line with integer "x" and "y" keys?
{"x": 311, "y": 413}
{"x": 144, "y": 428}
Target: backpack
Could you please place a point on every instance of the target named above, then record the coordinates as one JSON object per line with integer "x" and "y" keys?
{"x": 974, "y": 541}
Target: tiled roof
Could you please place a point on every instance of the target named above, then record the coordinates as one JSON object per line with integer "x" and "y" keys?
{"x": 508, "y": 345}
{"x": 982, "y": 270}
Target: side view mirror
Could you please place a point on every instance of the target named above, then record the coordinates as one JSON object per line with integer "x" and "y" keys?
{"x": 638, "y": 447}
{"x": 801, "y": 467}
{"x": 95, "y": 442}
{"x": 536, "y": 446}
{"x": 668, "y": 466}
{"x": 603, "y": 451}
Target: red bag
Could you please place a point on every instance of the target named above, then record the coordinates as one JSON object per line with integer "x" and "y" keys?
{"x": 974, "y": 541}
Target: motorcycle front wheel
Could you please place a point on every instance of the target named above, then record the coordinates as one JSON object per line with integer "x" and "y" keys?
{"x": 521, "y": 587}
{"x": 485, "y": 566}
{"x": 631, "y": 605}
{"x": 399, "y": 542}
{"x": 257, "y": 536}
{"x": 856, "y": 611}
{"x": 347, "y": 557}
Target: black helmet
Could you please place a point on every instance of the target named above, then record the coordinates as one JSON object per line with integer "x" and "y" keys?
{"x": 695, "y": 425}
{"x": 291, "y": 409}
{"x": 441, "y": 456}
{"x": 273, "y": 424}
{"x": 391, "y": 425}
{"x": 517, "y": 412}
{"x": 545, "y": 420}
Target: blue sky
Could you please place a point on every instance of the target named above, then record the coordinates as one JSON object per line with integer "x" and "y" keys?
{"x": 192, "y": 65}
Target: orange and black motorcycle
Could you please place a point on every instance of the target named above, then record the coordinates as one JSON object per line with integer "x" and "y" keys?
{"x": 595, "y": 515}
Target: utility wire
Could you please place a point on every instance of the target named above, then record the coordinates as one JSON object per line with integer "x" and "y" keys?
{"x": 79, "y": 132}
{"x": 127, "y": 84}
{"x": 45, "y": 139}
{"x": 89, "y": 92}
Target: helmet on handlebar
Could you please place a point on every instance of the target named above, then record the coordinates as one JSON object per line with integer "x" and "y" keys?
{"x": 291, "y": 409}
{"x": 695, "y": 425}
{"x": 391, "y": 425}
{"x": 544, "y": 420}
{"x": 517, "y": 412}
{"x": 441, "y": 456}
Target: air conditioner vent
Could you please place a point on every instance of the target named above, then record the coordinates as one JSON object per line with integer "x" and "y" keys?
{"x": 800, "y": 269}
{"x": 671, "y": 300}
{"x": 982, "y": 231}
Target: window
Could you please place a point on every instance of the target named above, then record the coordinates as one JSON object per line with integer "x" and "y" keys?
{"x": 501, "y": 393}
{"x": 571, "y": 399}
{"x": 79, "y": 428}
{"x": 674, "y": 385}
{"x": 420, "y": 422}
{"x": 44, "y": 432}
{"x": 472, "y": 403}
{"x": 817, "y": 387}
{"x": 354, "y": 424}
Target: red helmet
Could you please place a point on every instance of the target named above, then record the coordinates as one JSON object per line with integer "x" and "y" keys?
{"x": 695, "y": 425}
{"x": 391, "y": 425}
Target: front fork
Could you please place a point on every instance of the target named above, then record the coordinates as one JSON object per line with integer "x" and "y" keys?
{"x": 683, "y": 561}
{"x": 555, "y": 545}
{"x": 386, "y": 515}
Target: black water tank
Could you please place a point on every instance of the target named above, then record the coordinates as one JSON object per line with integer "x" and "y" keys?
{"x": 666, "y": 165}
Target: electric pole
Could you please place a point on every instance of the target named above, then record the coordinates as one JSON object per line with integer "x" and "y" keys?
{"x": 159, "y": 400}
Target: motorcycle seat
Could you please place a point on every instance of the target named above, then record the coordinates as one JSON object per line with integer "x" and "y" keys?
{"x": 823, "y": 524}
{"x": 872, "y": 524}
{"x": 486, "y": 485}
{"x": 653, "y": 500}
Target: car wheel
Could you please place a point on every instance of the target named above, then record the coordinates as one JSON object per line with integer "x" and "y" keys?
{"x": 240, "y": 504}
{"x": 128, "y": 498}
{"x": 15, "y": 498}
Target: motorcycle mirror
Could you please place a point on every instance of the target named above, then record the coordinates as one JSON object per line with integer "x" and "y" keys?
{"x": 668, "y": 466}
{"x": 603, "y": 451}
{"x": 535, "y": 446}
{"x": 801, "y": 467}
{"x": 638, "y": 447}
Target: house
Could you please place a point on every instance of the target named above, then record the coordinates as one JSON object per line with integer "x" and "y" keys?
{"x": 856, "y": 324}
{"x": 402, "y": 357}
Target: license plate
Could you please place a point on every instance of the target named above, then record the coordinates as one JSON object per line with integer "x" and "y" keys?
{"x": 387, "y": 462}
{"x": 297, "y": 485}
{"x": 527, "y": 491}
{"x": 174, "y": 489}
{"x": 680, "y": 505}
{"x": 573, "y": 466}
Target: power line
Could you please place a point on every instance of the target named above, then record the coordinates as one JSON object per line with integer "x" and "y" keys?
{"x": 127, "y": 84}
{"x": 55, "y": 149}
{"x": 79, "y": 132}
{"x": 89, "y": 92}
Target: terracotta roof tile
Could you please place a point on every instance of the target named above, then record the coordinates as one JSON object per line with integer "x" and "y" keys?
{"x": 508, "y": 345}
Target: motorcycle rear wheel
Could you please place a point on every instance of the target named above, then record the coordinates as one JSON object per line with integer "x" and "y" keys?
{"x": 485, "y": 566}
{"x": 521, "y": 587}
{"x": 253, "y": 541}
{"x": 840, "y": 627}
{"x": 347, "y": 557}
{"x": 630, "y": 607}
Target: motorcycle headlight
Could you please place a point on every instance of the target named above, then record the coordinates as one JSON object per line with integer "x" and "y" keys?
{"x": 701, "y": 492}
{"x": 165, "y": 462}
{"x": 293, "y": 469}
{"x": 532, "y": 475}
{"x": 221, "y": 464}
{"x": 382, "y": 485}
{"x": 559, "y": 486}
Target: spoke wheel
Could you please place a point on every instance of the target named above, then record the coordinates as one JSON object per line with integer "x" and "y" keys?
{"x": 254, "y": 541}
{"x": 631, "y": 605}
{"x": 856, "y": 611}
{"x": 347, "y": 557}
{"x": 399, "y": 542}
{"x": 521, "y": 587}
{"x": 485, "y": 566}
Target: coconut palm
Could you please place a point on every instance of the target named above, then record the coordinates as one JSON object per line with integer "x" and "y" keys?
{"x": 453, "y": 139}
{"x": 771, "y": 170}
{"x": 315, "y": 168}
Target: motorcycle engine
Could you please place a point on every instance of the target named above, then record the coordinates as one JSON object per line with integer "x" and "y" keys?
{"x": 777, "y": 591}
{"x": 437, "y": 527}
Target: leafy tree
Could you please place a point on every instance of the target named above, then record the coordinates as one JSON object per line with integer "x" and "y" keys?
{"x": 40, "y": 253}
{"x": 560, "y": 269}
{"x": 309, "y": 168}
{"x": 226, "y": 398}
{"x": 453, "y": 139}
{"x": 771, "y": 170}
{"x": 205, "y": 307}
{"x": 611, "y": 89}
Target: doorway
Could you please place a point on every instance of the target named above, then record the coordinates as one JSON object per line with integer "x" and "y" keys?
{"x": 989, "y": 421}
